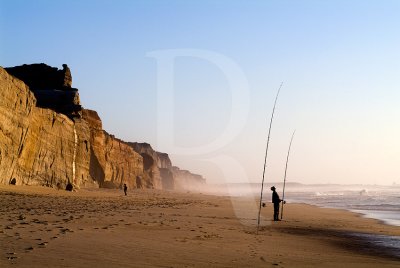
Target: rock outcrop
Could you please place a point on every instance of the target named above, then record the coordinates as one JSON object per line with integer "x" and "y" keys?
{"x": 48, "y": 139}
{"x": 52, "y": 87}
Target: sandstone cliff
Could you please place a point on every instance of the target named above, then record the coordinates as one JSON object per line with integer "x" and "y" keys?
{"x": 165, "y": 166}
{"x": 38, "y": 146}
{"x": 112, "y": 161}
{"x": 46, "y": 138}
{"x": 158, "y": 167}
{"x": 150, "y": 163}
{"x": 185, "y": 180}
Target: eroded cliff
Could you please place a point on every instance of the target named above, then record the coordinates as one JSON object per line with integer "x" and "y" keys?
{"x": 39, "y": 146}
{"x": 46, "y": 138}
{"x": 185, "y": 180}
{"x": 150, "y": 163}
{"x": 112, "y": 161}
{"x": 158, "y": 166}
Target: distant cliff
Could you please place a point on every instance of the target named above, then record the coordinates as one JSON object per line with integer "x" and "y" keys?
{"x": 157, "y": 165}
{"x": 185, "y": 180}
{"x": 47, "y": 138}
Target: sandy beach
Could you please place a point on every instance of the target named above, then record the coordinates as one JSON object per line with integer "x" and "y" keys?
{"x": 43, "y": 227}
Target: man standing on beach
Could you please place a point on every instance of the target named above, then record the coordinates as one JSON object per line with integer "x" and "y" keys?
{"x": 125, "y": 188}
{"x": 276, "y": 200}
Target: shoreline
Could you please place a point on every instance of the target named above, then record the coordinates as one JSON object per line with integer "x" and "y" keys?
{"x": 367, "y": 214}
{"x": 374, "y": 214}
{"x": 151, "y": 228}
{"x": 304, "y": 196}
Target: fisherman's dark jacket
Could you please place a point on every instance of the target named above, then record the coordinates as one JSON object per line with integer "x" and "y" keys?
{"x": 275, "y": 198}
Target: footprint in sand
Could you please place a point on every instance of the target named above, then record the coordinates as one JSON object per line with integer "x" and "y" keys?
{"x": 43, "y": 244}
{"x": 10, "y": 258}
{"x": 65, "y": 230}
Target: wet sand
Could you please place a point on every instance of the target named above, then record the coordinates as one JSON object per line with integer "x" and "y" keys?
{"x": 43, "y": 227}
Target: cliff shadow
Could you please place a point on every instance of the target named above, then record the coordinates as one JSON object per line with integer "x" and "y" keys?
{"x": 95, "y": 169}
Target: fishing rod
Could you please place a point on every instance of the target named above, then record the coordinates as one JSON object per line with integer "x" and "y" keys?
{"x": 284, "y": 179}
{"x": 265, "y": 159}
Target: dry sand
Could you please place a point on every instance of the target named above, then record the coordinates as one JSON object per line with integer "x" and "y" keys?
{"x": 43, "y": 227}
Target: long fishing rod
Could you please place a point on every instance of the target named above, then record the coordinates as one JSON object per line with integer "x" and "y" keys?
{"x": 265, "y": 159}
{"x": 284, "y": 179}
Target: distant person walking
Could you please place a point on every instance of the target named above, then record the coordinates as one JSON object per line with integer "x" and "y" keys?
{"x": 275, "y": 200}
{"x": 125, "y": 188}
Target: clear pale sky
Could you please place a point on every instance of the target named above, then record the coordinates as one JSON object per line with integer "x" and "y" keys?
{"x": 339, "y": 61}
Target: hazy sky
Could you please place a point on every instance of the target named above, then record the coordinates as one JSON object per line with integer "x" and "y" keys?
{"x": 339, "y": 61}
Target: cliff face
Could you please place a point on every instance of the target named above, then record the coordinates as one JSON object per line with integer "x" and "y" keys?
{"x": 46, "y": 138}
{"x": 163, "y": 160}
{"x": 165, "y": 166}
{"x": 157, "y": 165}
{"x": 112, "y": 161}
{"x": 150, "y": 163}
{"x": 185, "y": 180}
{"x": 38, "y": 146}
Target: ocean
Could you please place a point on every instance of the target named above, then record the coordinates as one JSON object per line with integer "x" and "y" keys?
{"x": 378, "y": 202}
{"x": 370, "y": 201}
